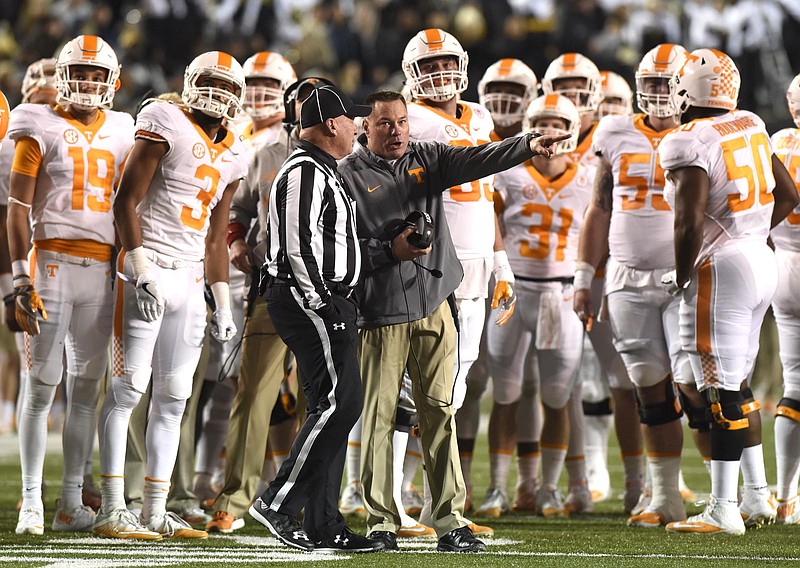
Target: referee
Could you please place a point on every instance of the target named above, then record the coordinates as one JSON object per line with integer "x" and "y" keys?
{"x": 313, "y": 262}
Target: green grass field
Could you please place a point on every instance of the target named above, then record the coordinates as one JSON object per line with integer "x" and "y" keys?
{"x": 597, "y": 539}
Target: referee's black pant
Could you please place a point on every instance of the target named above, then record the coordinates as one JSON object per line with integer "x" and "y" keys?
{"x": 327, "y": 367}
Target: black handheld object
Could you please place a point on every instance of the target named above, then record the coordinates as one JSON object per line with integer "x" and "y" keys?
{"x": 424, "y": 229}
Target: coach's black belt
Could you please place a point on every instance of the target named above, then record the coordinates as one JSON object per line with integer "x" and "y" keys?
{"x": 335, "y": 287}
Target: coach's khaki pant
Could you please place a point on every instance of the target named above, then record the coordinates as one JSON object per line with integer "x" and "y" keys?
{"x": 384, "y": 354}
{"x": 260, "y": 378}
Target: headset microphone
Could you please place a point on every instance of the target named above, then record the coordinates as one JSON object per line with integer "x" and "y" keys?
{"x": 435, "y": 272}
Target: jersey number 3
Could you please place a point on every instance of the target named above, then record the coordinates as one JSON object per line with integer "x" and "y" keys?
{"x": 204, "y": 172}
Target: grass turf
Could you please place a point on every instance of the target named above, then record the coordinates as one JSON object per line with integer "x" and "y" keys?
{"x": 597, "y": 539}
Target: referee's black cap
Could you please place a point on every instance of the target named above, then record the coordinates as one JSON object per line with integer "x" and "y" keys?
{"x": 327, "y": 102}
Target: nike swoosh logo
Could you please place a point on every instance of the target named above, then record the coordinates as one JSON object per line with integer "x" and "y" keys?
{"x": 371, "y": 189}
{"x": 103, "y": 136}
{"x": 224, "y": 160}
{"x": 146, "y": 288}
{"x": 199, "y": 279}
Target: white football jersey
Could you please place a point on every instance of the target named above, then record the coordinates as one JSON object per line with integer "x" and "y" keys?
{"x": 736, "y": 152}
{"x": 469, "y": 207}
{"x": 786, "y": 143}
{"x": 81, "y": 166}
{"x": 254, "y": 140}
{"x": 189, "y": 182}
{"x": 543, "y": 218}
{"x": 642, "y": 222}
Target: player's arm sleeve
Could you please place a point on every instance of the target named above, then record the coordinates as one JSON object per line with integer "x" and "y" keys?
{"x": 27, "y": 157}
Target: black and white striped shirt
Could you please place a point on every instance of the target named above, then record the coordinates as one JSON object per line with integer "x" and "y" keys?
{"x": 312, "y": 226}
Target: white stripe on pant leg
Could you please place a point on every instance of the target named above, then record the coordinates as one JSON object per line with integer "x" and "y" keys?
{"x": 323, "y": 419}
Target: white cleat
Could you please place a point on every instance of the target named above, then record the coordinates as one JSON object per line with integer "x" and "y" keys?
{"x": 170, "y": 525}
{"x": 416, "y": 530}
{"x": 579, "y": 500}
{"x": 80, "y": 519}
{"x": 788, "y": 511}
{"x": 718, "y": 518}
{"x": 525, "y": 499}
{"x": 122, "y": 523}
{"x": 599, "y": 481}
{"x": 31, "y": 521}
{"x": 758, "y": 507}
{"x": 352, "y": 501}
{"x": 633, "y": 492}
{"x": 495, "y": 504}
{"x": 549, "y": 503}
{"x": 688, "y": 495}
{"x": 655, "y": 516}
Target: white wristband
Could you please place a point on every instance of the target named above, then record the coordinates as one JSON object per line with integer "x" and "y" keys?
{"x": 6, "y": 284}
{"x": 139, "y": 263}
{"x": 584, "y": 274}
{"x": 222, "y": 295}
{"x": 502, "y": 268}
{"x": 22, "y": 272}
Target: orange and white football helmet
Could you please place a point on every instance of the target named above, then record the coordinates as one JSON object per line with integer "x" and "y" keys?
{"x": 39, "y": 76}
{"x": 214, "y": 101}
{"x": 507, "y": 108}
{"x": 707, "y": 78}
{"x": 260, "y": 101}
{"x": 617, "y": 96}
{"x": 793, "y": 98}
{"x": 441, "y": 85}
{"x": 5, "y": 111}
{"x": 658, "y": 65}
{"x": 558, "y": 106}
{"x": 91, "y": 51}
{"x": 575, "y": 66}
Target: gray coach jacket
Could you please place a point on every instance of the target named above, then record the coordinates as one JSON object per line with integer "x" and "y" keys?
{"x": 385, "y": 194}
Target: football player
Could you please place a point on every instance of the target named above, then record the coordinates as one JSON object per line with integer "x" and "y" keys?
{"x": 506, "y": 90}
{"x": 786, "y": 237}
{"x": 727, "y": 189}
{"x": 630, "y": 220}
{"x": 68, "y": 159}
{"x": 542, "y": 203}
{"x": 172, "y": 215}
{"x": 617, "y": 96}
{"x": 267, "y": 75}
{"x": 435, "y": 67}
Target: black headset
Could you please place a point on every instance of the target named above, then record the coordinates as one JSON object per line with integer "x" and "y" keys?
{"x": 290, "y": 96}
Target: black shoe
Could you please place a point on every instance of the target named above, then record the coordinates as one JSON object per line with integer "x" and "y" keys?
{"x": 460, "y": 540}
{"x": 285, "y": 528}
{"x": 389, "y": 539}
{"x": 348, "y": 541}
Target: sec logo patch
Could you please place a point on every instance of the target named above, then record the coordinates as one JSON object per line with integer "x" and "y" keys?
{"x": 451, "y": 131}
{"x": 71, "y": 136}
{"x": 198, "y": 150}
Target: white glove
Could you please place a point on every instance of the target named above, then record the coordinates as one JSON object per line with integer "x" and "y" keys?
{"x": 148, "y": 297}
{"x": 669, "y": 280}
{"x": 222, "y": 327}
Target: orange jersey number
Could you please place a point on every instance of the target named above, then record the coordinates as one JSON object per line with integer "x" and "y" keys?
{"x": 87, "y": 172}
{"x": 544, "y": 229}
{"x": 477, "y": 189}
{"x": 752, "y": 171}
{"x": 641, "y": 183}
{"x": 204, "y": 172}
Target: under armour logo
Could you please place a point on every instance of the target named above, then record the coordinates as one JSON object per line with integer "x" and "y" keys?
{"x": 338, "y": 326}
{"x": 344, "y": 541}
{"x": 299, "y": 535}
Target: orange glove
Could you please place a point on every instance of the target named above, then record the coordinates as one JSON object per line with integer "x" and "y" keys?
{"x": 28, "y": 302}
{"x": 504, "y": 291}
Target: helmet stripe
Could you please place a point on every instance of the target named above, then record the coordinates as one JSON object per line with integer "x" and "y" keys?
{"x": 505, "y": 66}
{"x": 90, "y": 47}
{"x": 434, "y": 39}
{"x": 569, "y": 60}
{"x": 551, "y": 101}
{"x": 224, "y": 60}
{"x": 261, "y": 60}
{"x": 661, "y": 59}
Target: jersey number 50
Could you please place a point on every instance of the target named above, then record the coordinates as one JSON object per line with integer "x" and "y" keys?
{"x": 752, "y": 171}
